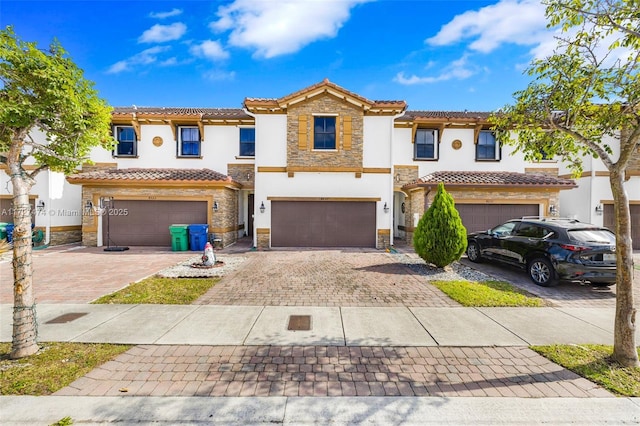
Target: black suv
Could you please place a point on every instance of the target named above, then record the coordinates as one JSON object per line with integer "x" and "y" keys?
{"x": 550, "y": 249}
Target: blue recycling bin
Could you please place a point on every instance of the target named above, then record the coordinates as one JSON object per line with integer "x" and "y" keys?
{"x": 198, "y": 236}
{"x": 9, "y": 229}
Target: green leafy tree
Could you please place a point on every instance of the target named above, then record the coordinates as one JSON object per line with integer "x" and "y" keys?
{"x": 440, "y": 238}
{"x": 583, "y": 97}
{"x": 41, "y": 90}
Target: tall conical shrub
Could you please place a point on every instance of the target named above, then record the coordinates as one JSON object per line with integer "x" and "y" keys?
{"x": 440, "y": 238}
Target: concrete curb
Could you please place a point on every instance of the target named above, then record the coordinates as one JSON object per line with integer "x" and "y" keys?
{"x": 309, "y": 410}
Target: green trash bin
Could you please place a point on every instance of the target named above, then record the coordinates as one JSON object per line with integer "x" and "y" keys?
{"x": 3, "y": 230}
{"x": 179, "y": 237}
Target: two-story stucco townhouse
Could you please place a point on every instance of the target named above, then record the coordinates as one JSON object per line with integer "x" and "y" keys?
{"x": 322, "y": 167}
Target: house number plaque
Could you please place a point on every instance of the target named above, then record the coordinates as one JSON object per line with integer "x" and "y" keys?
{"x": 157, "y": 141}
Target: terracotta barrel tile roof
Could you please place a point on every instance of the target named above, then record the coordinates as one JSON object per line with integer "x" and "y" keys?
{"x": 326, "y": 84}
{"x": 451, "y": 115}
{"x": 147, "y": 175}
{"x": 494, "y": 179}
{"x": 186, "y": 112}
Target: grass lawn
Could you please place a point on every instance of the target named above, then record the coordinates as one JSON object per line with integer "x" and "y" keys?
{"x": 488, "y": 293}
{"x": 55, "y": 366}
{"x": 594, "y": 363}
{"x": 160, "y": 291}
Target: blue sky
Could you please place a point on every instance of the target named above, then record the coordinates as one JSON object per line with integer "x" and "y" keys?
{"x": 434, "y": 54}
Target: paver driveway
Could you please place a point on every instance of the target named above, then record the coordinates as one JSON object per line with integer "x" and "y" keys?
{"x": 565, "y": 294}
{"x": 75, "y": 274}
{"x": 344, "y": 277}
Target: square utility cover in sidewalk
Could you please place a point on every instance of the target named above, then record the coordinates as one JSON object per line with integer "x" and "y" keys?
{"x": 383, "y": 327}
{"x": 272, "y": 325}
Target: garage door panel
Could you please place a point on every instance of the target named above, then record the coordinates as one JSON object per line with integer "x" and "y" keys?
{"x": 609, "y": 222}
{"x": 146, "y": 222}
{"x": 323, "y": 224}
{"x": 6, "y": 210}
{"x": 480, "y": 217}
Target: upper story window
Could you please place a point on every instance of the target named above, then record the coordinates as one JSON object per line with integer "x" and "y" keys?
{"x": 425, "y": 146}
{"x": 324, "y": 132}
{"x": 127, "y": 141}
{"x": 487, "y": 148}
{"x": 247, "y": 141}
{"x": 188, "y": 142}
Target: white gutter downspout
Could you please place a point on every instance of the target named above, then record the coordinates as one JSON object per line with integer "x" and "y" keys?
{"x": 47, "y": 234}
{"x": 392, "y": 202}
{"x": 255, "y": 176}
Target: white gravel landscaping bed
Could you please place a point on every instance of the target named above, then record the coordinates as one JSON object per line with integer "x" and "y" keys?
{"x": 185, "y": 270}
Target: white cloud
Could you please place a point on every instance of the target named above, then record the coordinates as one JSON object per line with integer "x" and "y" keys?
{"x": 274, "y": 28}
{"x": 164, "y": 15}
{"x": 210, "y": 49}
{"x": 217, "y": 75}
{"x": 161, "y": 33}
{"x": 169, "y": 62}
{"x": 519, "y": 22}
{"x": 146, "y": 57}
{"x": 459, "y": 69}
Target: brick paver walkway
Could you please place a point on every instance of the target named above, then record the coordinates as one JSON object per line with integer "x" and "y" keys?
{"x": 149, "y": 370}
{"x": 325, "y": 278}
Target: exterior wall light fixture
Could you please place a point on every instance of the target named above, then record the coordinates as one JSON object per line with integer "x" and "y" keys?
{"x": 40, "y": 206}
{"x": 599, "y": 209}
{"x": 262, "y": 207}
{"x": 215, "y": 206}
{"x": 386, "y": 207}
{"x": 553, "y": 210}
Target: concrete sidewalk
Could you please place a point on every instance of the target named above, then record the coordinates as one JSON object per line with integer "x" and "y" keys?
{"x": 331, "y": 326}
{"x": 321, "y": 411}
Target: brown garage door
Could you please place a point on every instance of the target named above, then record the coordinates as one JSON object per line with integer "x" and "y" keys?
{"x": 480, "y": 217}
{"x": 146, "y": 223}
{"x": 6, "y": 209}
{"x": 609, "y": 222}
{"x": 323, "y": 224}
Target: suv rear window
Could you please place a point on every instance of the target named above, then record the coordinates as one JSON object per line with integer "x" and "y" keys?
{"x": 593, "y": 236}
{"x": 531, "y": 230}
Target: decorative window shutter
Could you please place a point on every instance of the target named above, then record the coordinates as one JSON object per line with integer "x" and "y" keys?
{"x": 302, "y": 132}
{"x": 346, "y": 131}
{"x": 312, "y": 131}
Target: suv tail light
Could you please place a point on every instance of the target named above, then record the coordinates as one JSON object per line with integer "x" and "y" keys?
{"x": 572, "y": 247}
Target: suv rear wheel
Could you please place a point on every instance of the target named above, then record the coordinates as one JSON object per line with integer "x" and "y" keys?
{"x": 541, "y": 272}
{"x": 473, "y": 252}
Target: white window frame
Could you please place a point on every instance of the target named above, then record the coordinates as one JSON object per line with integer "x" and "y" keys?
{"x": 135, "y": 141}
{"x": 180, "y": 154}
{"x": 436, "y": 146}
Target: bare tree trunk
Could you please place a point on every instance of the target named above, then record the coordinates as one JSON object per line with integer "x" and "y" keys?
{"x": 624, "y": 347}
{"x": 24, "y": 309}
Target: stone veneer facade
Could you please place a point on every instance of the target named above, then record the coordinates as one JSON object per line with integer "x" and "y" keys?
{"x": 300, "y": 153}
